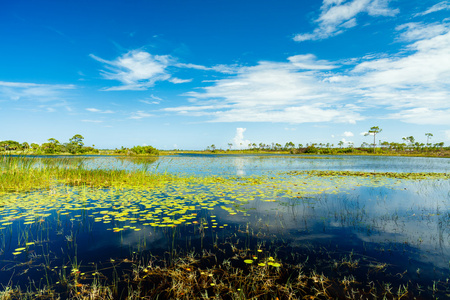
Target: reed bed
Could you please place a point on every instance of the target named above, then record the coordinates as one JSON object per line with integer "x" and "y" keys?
{"x": 22, "y": 174}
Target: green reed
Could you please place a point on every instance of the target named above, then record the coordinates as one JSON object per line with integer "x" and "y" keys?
{"x": 21, "y": 173}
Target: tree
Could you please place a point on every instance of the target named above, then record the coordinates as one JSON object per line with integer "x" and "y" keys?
{"x": 428, "y": 135}
{"x": 230, "y": 145}
{"x": 289, "y": 145}
{"x": 10, "y": 145}
{"x": 340, "y": 144}
{"x": 374, "y": 130}
{"x": 77, "y": 139}
{"x": 52, "y": 146}
{"x": 25, "y": 146}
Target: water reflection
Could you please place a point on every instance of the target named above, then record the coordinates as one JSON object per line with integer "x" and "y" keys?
{"x": 263, "y": 164}
{"x": 239, "y": 164}
{"x": 402, "y": 223}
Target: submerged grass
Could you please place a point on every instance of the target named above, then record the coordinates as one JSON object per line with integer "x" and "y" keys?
{"x": 224, "y": 273}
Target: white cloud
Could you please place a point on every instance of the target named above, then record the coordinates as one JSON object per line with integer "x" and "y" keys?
{"x": 417, "y": 31}
{"x": 292, "y": 92}
{"x": 178, "y": 80}
{"x": 444, "y": 5}
{"x": 346, "y": 143}
{"x": 140, "y": 70}
{"x": 348, "y": 134}
{"x": 154, "y": 100}
{"x": 447, "y": 134}
{"x": 423, "y": 116}
{"x": 92, "y": 121}
{"x": 420, "y": 79}
{"x": 33, "y": 91}
{"x": 140, "y": 114}
{"x": 304, "y": 89}
{"x": 95, "y": 110}
{"x": 136, "y": 70}
{"x": 310, "y": 62}
{"x": 238, "y": 141}
{"x": 337, "y": 16}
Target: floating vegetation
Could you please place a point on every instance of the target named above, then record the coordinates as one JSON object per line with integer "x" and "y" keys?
{"x": 414, "y": 175}
{"x": 68, "y": 231}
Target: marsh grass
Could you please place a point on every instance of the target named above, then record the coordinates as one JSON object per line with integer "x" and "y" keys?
{"x": 21, "y": 174}
{"x": 223, "y": 273}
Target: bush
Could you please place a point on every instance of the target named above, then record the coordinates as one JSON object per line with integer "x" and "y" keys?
{"x": 145, "y": 150}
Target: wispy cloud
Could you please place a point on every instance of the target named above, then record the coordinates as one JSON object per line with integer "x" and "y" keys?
{"x": 418, "y": 31}
{"x": 411, "y": 86}
{"x": 95, "y": 110}
{"x": 92, "y": 121}
{"x": 444, "y": 5}
{"x": 136, "y": 70}
{"x": 140, "y": 114}
{"x": 339, "y": 15}
{"x": 32, "y": 91}
{"x": 140, "y": 70}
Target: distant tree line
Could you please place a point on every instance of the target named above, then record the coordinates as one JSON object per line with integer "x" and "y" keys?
{"x": 409, "y": 145}
{"x": 52, "y": 146}
{"x": 75, "y": 145}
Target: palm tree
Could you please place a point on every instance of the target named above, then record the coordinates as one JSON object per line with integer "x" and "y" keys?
{"x": 373, "y": 130}
{"x": 428, "y": 135}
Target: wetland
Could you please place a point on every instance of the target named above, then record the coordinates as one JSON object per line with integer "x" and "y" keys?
{"x": 193, "y": 226}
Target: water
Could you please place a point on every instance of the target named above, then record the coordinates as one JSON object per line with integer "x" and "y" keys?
{"x": 247, "y": 165}
{"x": 378, "y": 229}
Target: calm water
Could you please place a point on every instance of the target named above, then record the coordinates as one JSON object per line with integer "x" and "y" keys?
{"x": 318, "y": 221}
{"x": 200, "y": 164}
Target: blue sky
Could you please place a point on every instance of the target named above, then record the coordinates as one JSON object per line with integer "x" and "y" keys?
{"x": 188, "y": 74}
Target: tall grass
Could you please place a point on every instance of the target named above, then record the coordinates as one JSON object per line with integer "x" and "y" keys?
{"x": 24, "y": 173}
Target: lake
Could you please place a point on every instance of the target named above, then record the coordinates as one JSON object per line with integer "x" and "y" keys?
{"x": 364, "y": 233}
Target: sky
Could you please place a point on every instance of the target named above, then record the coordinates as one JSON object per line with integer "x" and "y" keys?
{"x": 189, "y": 74}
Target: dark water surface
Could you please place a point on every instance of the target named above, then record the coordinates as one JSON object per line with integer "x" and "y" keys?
{"x": 388, "y": 230}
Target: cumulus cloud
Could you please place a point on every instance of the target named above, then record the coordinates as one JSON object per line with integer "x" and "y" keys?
{"x": 338, "y": 15}
{"x": 416, "y": 82}
{"x": 294, "y": 92}
{"x": 238, "y": 141}
{"x": 411, "y": 86}
{"x": 348, "y": 134}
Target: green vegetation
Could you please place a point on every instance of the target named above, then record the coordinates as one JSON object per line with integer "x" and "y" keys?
{"x": 234, "y": 258}
{"x": 74, "y": 146}
{"x": 409, "y": 147}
